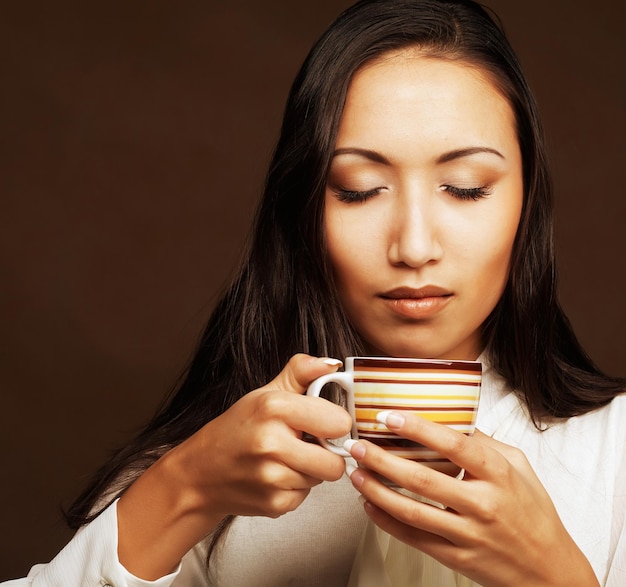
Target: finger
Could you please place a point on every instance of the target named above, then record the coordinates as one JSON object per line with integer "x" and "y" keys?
{"x": 285, "y": 416}
{"x": 406, "y": 509}
{"x": 429, "y": 543}
{"x": 300, "y": 371}
{"x": 320, "y": 418}
{"x": 303, "y": 413}
{"x": 315, "y": 462}
{"x": 415, "y": 477}
{"x": 271, "y": 503}
{"x": 473, "y": 455}
{"x": 283, "y": 477}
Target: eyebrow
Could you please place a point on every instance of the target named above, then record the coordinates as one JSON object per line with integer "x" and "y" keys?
{"x": 445, "y": 158}
{"x": 366, "y": 153}
{"x": 452, "y": 155}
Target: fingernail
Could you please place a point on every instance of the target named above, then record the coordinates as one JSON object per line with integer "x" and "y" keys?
{"x": 357, "y": 452}
{"x": 390, "y": 419}
{"x": 367, "y": 505}
{"x": 348, "y": 444}
{"x": 350, "y": 468}
{"x": 357, "y": 478}
{"x": 333, "y": 362}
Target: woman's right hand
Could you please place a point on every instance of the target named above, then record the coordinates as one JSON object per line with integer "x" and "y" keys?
{"x": 251, "y": 460}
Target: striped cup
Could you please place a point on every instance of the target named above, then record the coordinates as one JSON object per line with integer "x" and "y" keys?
{"x": 442, "y": 391}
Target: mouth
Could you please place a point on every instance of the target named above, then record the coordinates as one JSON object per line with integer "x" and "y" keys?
{"x": 417, "y": 303}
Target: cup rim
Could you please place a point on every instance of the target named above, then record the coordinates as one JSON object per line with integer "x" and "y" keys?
{"x": 384, "y": 361}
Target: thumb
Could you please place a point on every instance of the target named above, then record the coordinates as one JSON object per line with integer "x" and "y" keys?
{"x": 300, "y": 371}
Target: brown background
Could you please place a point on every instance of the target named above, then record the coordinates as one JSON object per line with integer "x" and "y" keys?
{"x": 133, "y": 142}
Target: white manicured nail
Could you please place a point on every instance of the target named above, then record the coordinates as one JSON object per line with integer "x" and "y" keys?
{"x": 348, "y": 444}
{"x": 390, "y": 419}
{"x": 350, "y": 468}
{"x": 382, "y": 416}
{"x": 333, "y": 362}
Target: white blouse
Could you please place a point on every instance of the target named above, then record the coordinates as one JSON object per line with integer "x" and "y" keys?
{"x": 581, "y": 462}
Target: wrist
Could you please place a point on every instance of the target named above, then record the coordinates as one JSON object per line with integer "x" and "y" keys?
{"x": 574, "y": 571}
{"x": 160, "y": 518}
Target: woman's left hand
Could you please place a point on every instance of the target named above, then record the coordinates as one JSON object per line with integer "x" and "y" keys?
{"x": 499, "y": 526}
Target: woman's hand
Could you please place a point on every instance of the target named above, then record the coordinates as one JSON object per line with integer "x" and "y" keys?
{"x": 499, "y": 526}
{"x": 251, "y": 460}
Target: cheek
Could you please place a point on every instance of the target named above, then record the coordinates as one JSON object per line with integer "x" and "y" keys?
{"x": 342, "y": 252}
{"x": 351, "y": 251}
{"x": 495, "y": 272}
{"x": 342, "y": 243}
{"x": 497, "y": 254}
{"x": 488, "y": 244}
{"x": 336, "y": 246}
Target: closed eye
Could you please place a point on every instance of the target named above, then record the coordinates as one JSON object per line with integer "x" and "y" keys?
{"x": 468, "y": 193}
{"x": 356, "y": 196}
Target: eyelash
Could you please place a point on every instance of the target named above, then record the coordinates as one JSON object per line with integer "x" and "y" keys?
{"x": 468, "y": 193}
{"x": 474, "y": 194}
{"x": 355, "y": 196}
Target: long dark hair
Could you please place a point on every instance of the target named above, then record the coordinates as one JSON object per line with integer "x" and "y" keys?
{"x": 283, "y": 298}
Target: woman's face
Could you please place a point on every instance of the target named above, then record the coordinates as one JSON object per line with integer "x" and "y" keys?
{"x": 422, "y": 205}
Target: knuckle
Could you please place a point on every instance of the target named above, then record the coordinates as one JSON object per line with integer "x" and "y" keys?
{"x": 413, "y": 516}
{"x": 488, "y": 510}
{"x": 517, "y": 458}
{"x": 277, "y": 505}
{"x": 465, "y": 560}
{"x": 419, "y": 479}
{"x": 295, "y": 359}
{"x": 266, "y": 445}
{"x": 270, "y": 404}
{"x": 293, "y": 367}
{"x": 283, "y": 502}
{"x": 458, "y": 443}
{"x": 269, "y": 475}
{"x": 503, "y": 469}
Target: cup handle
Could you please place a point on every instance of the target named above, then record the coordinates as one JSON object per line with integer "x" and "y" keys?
{"x": 344, "y": 380}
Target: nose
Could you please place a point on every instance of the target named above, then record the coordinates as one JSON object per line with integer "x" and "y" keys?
{"x": 414, "y": 232}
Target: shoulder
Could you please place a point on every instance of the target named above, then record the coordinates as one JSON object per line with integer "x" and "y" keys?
{"x": 613, "y": 412}
{"x": 615, "y": 415}
{"x": 604, "y": 426}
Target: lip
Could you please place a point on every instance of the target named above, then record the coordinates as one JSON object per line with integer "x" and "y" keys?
{"x": 417, "y": 303}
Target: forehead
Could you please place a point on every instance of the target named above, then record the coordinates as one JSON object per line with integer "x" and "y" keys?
{"x": 410, "y": 92}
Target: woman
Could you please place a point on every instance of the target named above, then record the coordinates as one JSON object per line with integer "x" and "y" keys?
{"x": 407, "y": 211}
